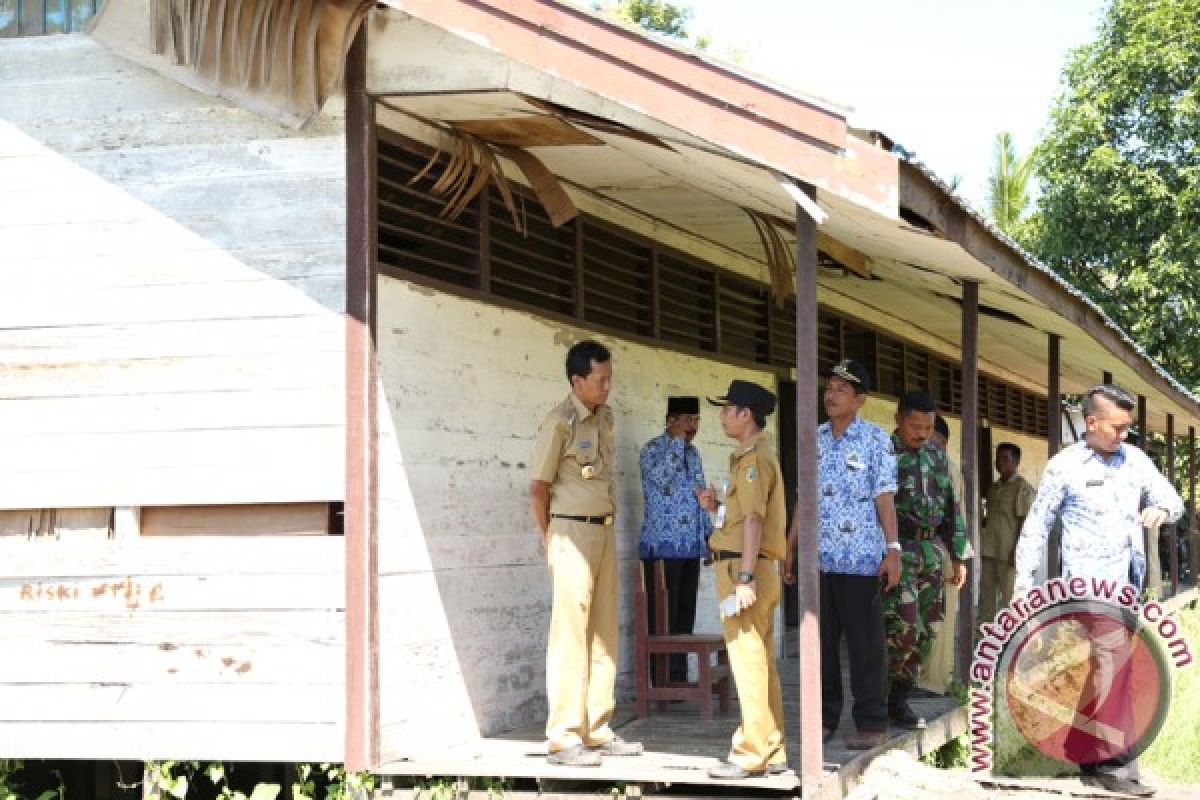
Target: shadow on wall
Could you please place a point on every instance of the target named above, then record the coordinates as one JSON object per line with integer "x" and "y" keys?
{"x": 466, "y": 386}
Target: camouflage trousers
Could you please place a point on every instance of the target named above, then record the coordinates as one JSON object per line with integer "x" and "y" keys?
{"x": 912, "y": 607}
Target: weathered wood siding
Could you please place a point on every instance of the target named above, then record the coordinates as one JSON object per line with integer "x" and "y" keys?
{"x": 213, "y": 647}
{"x": 171, "y": 282}
{"x": 464, "y": 594}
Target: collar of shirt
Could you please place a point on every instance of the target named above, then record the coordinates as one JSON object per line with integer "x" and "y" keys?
{"x": 581, "y": 409}
{"x": 852, "y": 430}
{"x": 901, "y": 447}
{"x": 753, "y": 444}
{"x": 1086, "y": 454}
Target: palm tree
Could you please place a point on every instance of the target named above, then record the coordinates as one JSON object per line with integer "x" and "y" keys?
{"x": 1008, "y": 185}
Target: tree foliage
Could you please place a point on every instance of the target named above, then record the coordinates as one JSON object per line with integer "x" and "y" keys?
{"x": 1119, "y": 212}
{"x": 656, "y": 16}
{"x": 1008, "y": 186}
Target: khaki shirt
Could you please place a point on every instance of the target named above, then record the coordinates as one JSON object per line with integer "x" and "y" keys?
{"x": 1006, "y": 501}
{"x": 570, "y": 439}
{"x": 755, "y": 487}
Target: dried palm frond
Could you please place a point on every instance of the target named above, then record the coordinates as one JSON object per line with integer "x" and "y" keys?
{"x": 781, "y": 258}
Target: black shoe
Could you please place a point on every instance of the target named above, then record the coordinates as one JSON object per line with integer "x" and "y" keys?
{"x": 827, "y": 734}
{"x": 777, "y": 769}
{"x": 900, "y": 712}
{"x": 729, "y": 771}
{"x": 1117, "y": 784}
{"x": 617, "y": 746}
{"x": 574, "y": 756}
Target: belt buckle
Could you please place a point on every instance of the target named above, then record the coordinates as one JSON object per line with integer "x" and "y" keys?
{"x": 608, "y": 520}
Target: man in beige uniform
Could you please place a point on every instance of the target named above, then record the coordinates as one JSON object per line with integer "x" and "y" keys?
{"x": 748, "y": 542}
{"x": 571, "y": 495}
{"x": 1008, "y": 502}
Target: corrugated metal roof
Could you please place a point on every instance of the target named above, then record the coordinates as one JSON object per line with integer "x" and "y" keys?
{"x": 910, "y": 158}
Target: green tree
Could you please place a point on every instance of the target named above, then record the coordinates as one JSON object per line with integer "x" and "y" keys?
{"x": 656, "y": 16}
{"x": 1008, "y": 186}
{"x": 1119, "y": 212}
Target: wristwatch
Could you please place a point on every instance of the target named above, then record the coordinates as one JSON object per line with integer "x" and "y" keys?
{"x": 895, "y": 546}
{"x": 745, "y": 577}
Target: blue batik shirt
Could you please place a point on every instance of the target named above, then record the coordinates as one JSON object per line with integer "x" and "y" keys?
{"x": 674, "y": 526}
{"x": 1099, "y": 501}
{"x": 852, "y": 470}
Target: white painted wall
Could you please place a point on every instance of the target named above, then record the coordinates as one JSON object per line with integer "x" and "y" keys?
{"x": 170, "y": 290}
{"x": 464, "y": 593}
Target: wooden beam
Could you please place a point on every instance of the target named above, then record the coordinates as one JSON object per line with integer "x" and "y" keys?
{"x": 845, "y": 255}
{"x": 1172, "y": 530}
{"x": 921, "y": 195}
{"x": 969, "y": 458}
{"x": 362, "y": 629}
{"x": 1143, "y": 432}
{"x": 808, "y": 589}
{"x": 1053, "y": 394}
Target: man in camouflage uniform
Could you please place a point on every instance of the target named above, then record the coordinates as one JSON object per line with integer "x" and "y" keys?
{"x": 927, "y": 510}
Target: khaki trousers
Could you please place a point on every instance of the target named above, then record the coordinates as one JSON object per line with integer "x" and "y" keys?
{"x": 750, "y": 641}
{"x": 996, "y": 579}
{"x": 581, "y": 655}
{"x": 937, "y": 673}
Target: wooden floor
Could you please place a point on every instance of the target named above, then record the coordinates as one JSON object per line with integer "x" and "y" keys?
{"x": 680, "y": 747}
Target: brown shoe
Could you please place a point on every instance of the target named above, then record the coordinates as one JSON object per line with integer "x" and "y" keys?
{"x": 866, "y": 740}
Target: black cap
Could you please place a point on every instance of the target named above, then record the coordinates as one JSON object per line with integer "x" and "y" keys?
{"x": 683, "y": 405}
{"x": 747, "y": 395}
{"x": 852, "y": 373}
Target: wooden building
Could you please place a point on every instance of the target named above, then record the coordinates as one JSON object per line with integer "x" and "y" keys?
{"x": 220, "y": 330}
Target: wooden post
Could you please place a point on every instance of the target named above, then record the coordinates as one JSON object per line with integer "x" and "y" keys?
{"x": 1143, "y": 434}
{"x": 1053, "y": 395}
{"x": 1173, "y": 532}
{"x": 1053, "y": 557}
{"x": 362, "y": 632}
{"x": 808, "y": 588}
{"x": 1191, "y": 528}
{"x": 969, "y": 462}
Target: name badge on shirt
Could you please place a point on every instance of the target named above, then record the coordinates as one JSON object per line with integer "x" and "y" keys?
{"x": 588, "y": 472}
{"x": 720, "y": 523}
{"x": 1095, "y": 482}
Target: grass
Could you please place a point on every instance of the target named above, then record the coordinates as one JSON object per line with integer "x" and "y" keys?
{"x": 1173, "y": 753}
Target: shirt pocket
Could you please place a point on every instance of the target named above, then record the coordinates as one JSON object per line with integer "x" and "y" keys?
{"x": 584, "y": 449}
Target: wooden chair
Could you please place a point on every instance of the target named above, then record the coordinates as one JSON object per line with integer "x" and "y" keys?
{"x": 651, "y": 651}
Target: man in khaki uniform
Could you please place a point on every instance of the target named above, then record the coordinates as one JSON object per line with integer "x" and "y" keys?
{"x": 1008, "y": 502}
{"x": 571, "y": 495}
{"x": 748, "y": 542}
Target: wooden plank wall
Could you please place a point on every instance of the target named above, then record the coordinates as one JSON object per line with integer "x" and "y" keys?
{"x": 221, "y": 647}
{"x": 171, "y": 291}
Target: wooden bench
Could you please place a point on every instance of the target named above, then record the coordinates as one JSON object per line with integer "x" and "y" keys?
{"x": 651, "y": 651}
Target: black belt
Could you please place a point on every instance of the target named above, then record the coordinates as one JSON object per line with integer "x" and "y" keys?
{"x": 603, "y": 520}
{"x": 726, "y": 555}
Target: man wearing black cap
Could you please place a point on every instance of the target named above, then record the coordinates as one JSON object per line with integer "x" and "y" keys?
{"x": 857, "y": 545}
{"x": 675, "y": 528}
{"x": 748, "y": 540}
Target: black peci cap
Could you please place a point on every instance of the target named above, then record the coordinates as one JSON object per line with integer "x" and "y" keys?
{"x": 683, "y": 405}
{"x": 747, "y": 395}
{"x": 852, "y": 373}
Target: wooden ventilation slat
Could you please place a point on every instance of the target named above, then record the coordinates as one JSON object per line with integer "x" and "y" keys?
{"x": 535, "y": 267}
{"x": 889, "y": 365}
{"x": 411, "y": 234}
{"x": 783, "y": 333}
{"x": 916, "y": 370}
{"x": 829, "y": 341}
{"x": 617, "y": 280}
{"x": 685, "y": 301}
{"x": 743, "y": 314}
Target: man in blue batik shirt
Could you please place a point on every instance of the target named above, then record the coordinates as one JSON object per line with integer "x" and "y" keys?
{"x": 1104, "y": 492}
{"x": 856, "y": 487}
{"x": 675, "y": 528}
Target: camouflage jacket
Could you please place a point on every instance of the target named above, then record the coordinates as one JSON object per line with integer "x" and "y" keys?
{"x": 926, "y": 498}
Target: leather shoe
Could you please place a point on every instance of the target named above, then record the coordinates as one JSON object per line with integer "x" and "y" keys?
{"x": 617, "y": 746}
{"x": 574, "y": 756}
{"x": 1117, "y": 784}
{"x": 866, "y": 740}
{"x": 729, "y": 771}
{"x": 900, "y": 712}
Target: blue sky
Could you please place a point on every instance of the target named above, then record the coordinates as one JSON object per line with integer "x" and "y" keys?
{"x": 941, "y": 77}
